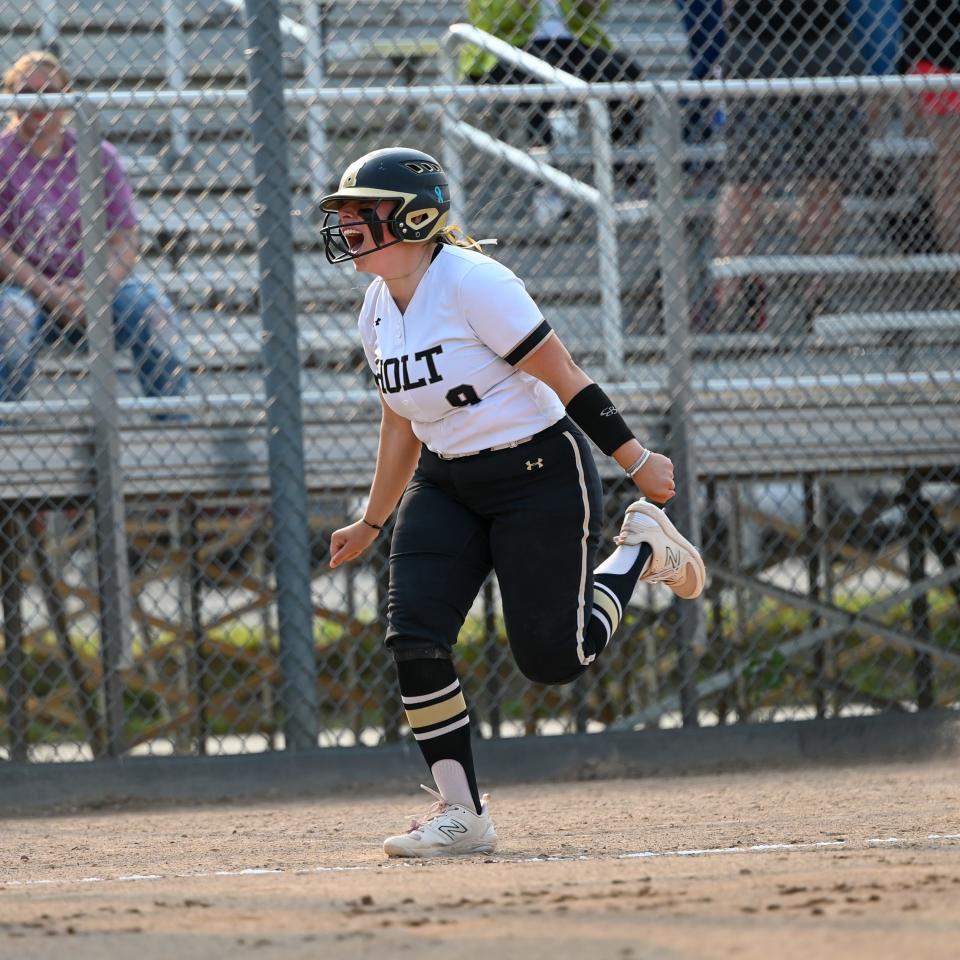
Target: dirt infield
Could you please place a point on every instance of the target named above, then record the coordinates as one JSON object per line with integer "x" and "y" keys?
{"x": 853, "y": 862}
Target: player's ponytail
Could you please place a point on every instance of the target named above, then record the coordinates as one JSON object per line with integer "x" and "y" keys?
{"x": 453, "y": 236}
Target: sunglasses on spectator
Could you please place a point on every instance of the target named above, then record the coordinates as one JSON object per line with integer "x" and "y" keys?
{"x": 39, "y": 111}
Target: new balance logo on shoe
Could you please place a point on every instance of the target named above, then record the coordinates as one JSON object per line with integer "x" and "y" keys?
{"x": 452, "y": 829}
{"x": 538, "y": 463}
{"x": 673, "y": 558}
{"x": 447, "y": 830}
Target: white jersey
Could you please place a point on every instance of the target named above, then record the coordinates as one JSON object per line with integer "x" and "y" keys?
{"x": 448, "y": 364}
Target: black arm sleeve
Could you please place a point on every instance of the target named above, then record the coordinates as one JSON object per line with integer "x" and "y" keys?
{"x": 597, "y": 416}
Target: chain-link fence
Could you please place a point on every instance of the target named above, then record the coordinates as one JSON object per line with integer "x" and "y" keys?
{"x": 762, "y": 271}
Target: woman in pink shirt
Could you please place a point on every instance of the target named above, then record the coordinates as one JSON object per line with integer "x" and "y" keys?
{"x": 41, "y": 261}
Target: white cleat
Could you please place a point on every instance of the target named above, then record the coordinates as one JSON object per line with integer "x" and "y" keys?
{"x": 447, "y": 830}
{"x": 675, "y": 561}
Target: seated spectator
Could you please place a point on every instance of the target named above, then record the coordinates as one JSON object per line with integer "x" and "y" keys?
{"x": 931, "y": 30}
{"x": 567, "y": 35}
{"x": 41, "y": 263}
{"x": 703, "y": 23}
{"x": 819, "y": 142}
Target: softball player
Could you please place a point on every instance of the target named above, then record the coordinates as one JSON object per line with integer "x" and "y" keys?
{"x": 482, "y": 444}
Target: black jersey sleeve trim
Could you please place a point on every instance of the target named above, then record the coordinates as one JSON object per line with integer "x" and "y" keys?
{"x": 528, "y": 344}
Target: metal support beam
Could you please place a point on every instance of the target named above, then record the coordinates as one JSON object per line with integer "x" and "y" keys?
{"x": 812, "y": 537}
{"x": 315, "y": 51}
{"x": 175, "y": 55}
{"x": 12, "y": 552}
{"x": 192, "y": 612}
{"x": 113, "y": 572}
{"x": 281, "y": 363}
{"x": 674, "y": 273}
{"x": 608, "y": 250}
{"x": 452, "y": 144}
{"x": 916, "y": 524}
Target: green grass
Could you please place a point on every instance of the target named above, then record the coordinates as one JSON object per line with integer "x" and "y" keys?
{"x": 355, "y": 674}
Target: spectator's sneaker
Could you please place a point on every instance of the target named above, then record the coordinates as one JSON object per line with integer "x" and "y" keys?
{"x": 447, "y": 830}
{"x": 675, "y": 561}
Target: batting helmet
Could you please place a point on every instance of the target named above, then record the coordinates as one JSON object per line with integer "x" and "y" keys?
{"x": 411, "y": 178}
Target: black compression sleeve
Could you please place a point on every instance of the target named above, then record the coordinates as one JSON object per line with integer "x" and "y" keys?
{"x": 597, "y": 416}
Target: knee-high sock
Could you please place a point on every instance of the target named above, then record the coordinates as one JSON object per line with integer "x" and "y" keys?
{"x": 440, "y": 723}
{"x": 613, "y": 585}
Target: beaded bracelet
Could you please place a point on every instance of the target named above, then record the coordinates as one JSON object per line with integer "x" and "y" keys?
{"x": 634, "y": 467}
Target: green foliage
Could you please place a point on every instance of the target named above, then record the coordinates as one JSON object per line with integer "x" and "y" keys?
{"x": 236, "y": 675}
{"x": 765, "y": 671}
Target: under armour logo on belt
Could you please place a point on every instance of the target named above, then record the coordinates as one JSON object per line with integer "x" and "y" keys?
{"x": 538, "y": 463}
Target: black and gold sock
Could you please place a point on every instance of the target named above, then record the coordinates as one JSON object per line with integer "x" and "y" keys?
{"x": 438, "y": 718}
{"x": 613, "y": 585}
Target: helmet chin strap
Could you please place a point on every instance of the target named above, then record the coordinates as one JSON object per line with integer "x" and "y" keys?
{"x": 375, "y": 225}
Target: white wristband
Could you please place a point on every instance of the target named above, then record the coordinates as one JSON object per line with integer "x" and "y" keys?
{"x": 634, "y": 467}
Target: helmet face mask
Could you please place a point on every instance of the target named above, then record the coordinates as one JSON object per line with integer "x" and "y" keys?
{"x": 336, "y": 243}
{"x": 412, "y": 179}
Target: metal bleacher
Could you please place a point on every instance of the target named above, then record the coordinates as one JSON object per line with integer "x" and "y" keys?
{"x": 194, "y": 505}
{"x": 197, "y": 217}
{"x": 766, "y": 408}
{"x": 199, "y": 238}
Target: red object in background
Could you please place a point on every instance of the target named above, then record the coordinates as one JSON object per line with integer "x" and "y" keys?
{"x": 938, "y": 103}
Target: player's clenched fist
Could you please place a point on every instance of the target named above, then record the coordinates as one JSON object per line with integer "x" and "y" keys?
{"x": 655, "y": 478}
{"x": 348, "y": 543}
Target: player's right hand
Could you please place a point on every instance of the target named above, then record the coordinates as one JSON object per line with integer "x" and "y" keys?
{"x": 655, "y": 478}
{"x": 348, "y": 543}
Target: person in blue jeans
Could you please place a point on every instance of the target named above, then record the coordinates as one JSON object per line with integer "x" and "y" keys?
{"x": 41, "y": 263}
{"x": 144, "y": 322}
{"x": 703, "y": 23}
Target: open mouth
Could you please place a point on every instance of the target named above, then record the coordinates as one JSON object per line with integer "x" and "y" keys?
{"x": 353, "y": 237}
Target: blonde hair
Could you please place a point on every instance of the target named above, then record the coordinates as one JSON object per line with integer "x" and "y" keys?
{"x": 453, "y": 236}
{"x": 25, "y": 65}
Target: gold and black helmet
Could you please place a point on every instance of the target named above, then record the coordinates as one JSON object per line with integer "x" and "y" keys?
{"x": 411, "y": 178}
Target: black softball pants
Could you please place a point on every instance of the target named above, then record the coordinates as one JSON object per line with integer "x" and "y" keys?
{"x": 532, "y": 514}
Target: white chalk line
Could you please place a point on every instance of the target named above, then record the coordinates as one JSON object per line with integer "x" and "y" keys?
{"x": 812, "y": 845}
